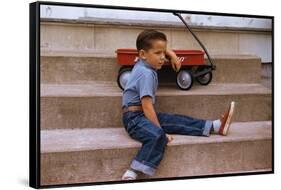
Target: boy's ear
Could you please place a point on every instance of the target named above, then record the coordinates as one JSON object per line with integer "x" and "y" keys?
{"x": 142, "y": 54}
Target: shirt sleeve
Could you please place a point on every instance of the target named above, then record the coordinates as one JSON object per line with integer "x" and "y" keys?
{"x": 145, "y": 85}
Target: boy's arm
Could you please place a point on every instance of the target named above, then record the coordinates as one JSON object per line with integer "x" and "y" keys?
{"x": 176, "y": 64}
{"x": 150, "y": 113}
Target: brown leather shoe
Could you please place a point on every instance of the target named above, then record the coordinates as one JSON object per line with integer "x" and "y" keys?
{"x": 226, "y": 119}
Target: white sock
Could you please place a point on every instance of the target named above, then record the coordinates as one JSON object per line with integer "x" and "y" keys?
{"x": 216, "y": 125}
{"x": 130, "y": 174}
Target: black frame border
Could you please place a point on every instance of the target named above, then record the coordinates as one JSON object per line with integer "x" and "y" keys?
{"x": 34, "y": 92}
{"x": 34, "y": 95}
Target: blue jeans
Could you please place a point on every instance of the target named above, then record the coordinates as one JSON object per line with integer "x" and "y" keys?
{"x": 153, "y": 138}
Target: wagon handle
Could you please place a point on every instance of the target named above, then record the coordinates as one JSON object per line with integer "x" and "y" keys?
{"x": 197, "y": 39}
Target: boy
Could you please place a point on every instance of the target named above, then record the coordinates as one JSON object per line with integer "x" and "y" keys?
{"x": 140, "y": 119}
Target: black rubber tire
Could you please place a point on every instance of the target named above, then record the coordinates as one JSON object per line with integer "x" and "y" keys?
{"x": 121, "y": 72}
{"x": 205, "y": 79}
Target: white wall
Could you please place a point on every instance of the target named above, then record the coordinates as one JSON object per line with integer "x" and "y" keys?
{"x": 204, "y": 20}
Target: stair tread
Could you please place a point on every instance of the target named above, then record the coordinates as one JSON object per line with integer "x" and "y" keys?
{"x": 71, "y": 140}
{"x": 104, "y": 88}
{"x": 88, "y": 21}
{"x": 111, "y": 54}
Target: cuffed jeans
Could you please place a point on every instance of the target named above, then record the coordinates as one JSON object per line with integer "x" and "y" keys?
{"x": 153, "y": 138}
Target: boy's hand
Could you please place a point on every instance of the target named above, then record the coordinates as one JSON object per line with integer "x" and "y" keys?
{"x": 170, "y": 138}
{"x": 175, "y": 62}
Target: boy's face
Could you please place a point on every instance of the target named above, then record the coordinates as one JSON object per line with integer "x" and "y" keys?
{"x": 155, "y": 56}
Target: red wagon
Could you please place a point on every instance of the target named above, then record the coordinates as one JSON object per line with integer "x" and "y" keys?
{"x": 193, "y": 66}
{"x": 192, "y": 62}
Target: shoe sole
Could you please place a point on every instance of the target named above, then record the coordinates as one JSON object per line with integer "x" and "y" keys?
{"x": 228, "y": 121}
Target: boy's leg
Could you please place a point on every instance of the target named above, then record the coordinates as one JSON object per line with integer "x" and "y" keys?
{"x": 184, "y": 125}
{"x": 153, "y": 140}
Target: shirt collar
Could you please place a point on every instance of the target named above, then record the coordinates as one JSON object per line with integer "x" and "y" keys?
{"x": 144, "y": 63}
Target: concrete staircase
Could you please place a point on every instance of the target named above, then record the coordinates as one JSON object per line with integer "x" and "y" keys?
{"x": 82, "y": 137}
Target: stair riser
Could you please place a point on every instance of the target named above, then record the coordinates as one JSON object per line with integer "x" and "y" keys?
{"x": 101, "y": 112}
{"x": 183, "y": 160}
{"x": 71, "y": 69}
{"x": 76, "y": 69}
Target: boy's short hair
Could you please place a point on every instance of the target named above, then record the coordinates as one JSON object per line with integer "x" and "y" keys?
{"x": 145, "y": 38}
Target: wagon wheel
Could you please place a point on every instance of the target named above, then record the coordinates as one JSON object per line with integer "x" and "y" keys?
{"x": 184, "y": 79}
{"x": 204, "y": 79}
{"x": 123, "y": 76}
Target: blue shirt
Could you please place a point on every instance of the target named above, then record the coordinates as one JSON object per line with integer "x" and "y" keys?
{"x": 143, "y": 81}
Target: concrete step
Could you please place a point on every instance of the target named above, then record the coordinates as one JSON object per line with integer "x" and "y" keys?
{"x": 98, "y": 105}
{"x": 96, "y": 155}
{"x": 61, "y": 67}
